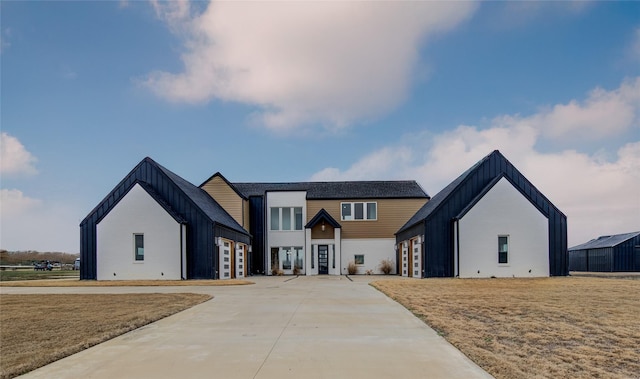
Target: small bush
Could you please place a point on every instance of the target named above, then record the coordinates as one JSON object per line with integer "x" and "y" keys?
{"x": 386, "y": 266}
{"x": 297, "y": 270}
{"x": 275, "y": 270}
{"x": 352, "y": 268}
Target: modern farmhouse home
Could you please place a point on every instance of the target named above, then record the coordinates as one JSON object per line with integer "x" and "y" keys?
{"x": 490, "y": 221}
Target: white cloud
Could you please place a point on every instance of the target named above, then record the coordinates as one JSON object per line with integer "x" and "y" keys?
{"x": 303, "y": 62}
{"x": 598, "y": 196}
{"x": 31, "y": 224}
{"x": 14, "y": 157}
{"x": 603, "y": 114}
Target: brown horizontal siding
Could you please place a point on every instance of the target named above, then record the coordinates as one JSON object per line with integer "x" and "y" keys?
{"x": 392, "y": 215}
{"x": 226, "y": 197}
{"x": 317, "y": 233}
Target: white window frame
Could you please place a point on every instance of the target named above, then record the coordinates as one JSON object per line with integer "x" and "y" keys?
{"x": 506, "y": 236}
{"x": 135, "y": 247}
{"x": 292, "y": 219}
{"x": 365, "y": 211}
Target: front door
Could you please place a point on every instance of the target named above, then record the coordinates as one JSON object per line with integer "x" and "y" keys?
{"x": 323, "y": 259}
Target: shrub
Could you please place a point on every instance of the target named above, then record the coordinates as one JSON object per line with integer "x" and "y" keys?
{"x": 386, "y": 266}
{"x": 296, "y": 270}
{"x": 352, "y": 268}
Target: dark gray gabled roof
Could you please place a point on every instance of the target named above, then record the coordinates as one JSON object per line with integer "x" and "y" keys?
{"x": 206, "y": 203}
{"x": 605, "y": 241}
{"x": 440, "y": 197}
{"x": 394, "y": 189}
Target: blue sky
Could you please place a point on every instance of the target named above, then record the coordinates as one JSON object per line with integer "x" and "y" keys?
{"x": 286, "y": 91}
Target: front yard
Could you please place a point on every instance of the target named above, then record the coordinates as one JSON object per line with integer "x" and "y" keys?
{"x": 574, "y": 327}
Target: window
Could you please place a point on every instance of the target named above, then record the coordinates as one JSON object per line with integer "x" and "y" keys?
{"x": 297, "y": 211}
{"x": 358, "y": 259}
{"x": 138, "y": 249}
{"x": 359, "y": 211}
{"x": 286, "y": 218}
{"x": 503, "y": 249}
{"x": 275, "y": 218}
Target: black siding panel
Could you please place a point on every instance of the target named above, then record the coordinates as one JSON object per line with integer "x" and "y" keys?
{"x": 625, "y": 255}
{"x": 257, "y": 228}
{"x": 438, "y": 230}
{"x": 199, "y": 239}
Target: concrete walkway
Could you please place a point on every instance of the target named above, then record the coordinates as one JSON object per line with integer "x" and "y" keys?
{"x": 306, "y": 327}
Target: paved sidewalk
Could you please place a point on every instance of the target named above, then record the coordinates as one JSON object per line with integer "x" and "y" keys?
{"x": 306, "y": 327}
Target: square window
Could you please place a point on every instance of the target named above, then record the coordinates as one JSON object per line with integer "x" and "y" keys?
{"x": 138, "y": 247}
{"x": 358, "y": 259}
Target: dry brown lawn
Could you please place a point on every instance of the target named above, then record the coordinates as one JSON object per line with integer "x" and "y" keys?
{"x": 38, "y": 329}
{"x": 533, "y": 328}
{"x": 122, "y": 283}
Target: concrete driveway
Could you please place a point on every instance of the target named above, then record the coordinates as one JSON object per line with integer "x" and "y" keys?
{"x": 306, "y": 327}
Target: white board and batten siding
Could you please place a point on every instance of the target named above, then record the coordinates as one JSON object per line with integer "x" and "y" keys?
{"x": 502, "y": 211}
{"x": 164, "y": 238}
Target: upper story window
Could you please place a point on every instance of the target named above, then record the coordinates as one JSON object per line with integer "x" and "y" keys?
{"x": 359, "y": 211}
{"x": 286, "y": 218}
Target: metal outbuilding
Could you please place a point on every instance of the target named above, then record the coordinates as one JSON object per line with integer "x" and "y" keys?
{"x": 614, "y": 253}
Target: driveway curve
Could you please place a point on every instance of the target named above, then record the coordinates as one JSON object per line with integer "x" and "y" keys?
{"x": 305, "y": 327}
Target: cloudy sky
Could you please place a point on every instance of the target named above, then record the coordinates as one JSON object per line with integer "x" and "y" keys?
{"x": 295, "y": 91}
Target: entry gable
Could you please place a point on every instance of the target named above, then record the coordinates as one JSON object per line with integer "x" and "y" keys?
{"x": 321, "y": 216}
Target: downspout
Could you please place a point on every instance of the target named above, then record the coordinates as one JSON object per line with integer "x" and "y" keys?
{"x": 457, "y": 247}
{"x": 181, "y": 253}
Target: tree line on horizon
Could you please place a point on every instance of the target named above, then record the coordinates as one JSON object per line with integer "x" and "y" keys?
{"x": 31, "y": 256}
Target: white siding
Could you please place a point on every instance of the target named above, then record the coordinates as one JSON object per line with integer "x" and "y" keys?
{"x": 286, "y": 238}
{"x": 503, "y": 211}
{"x": 374, "y": 251}
{"x": 138, "y": 213}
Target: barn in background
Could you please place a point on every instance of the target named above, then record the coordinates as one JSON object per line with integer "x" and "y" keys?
{"x": 616, "y": 253}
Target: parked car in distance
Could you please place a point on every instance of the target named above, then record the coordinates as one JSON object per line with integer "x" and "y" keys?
{"x": 76, "y": 264}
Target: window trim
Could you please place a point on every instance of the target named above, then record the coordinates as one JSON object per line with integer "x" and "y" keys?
{"x": 135, "y": 248}
{"x": 500, "y": 251}
{"x": 352, "y": 211}
{"x": 292, "y": 219}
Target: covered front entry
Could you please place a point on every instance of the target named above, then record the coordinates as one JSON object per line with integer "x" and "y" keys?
{"x": 323, "y": 259}
{"x": 322, "y": 236}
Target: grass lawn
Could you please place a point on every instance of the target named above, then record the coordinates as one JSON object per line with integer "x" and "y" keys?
{"x": 573, "y": 327}
{"x": 38, "y": 329}
{"x": 30, "y": 274}
{"x": 123, "y": 283}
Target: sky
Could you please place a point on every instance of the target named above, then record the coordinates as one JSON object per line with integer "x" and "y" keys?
{"x": 312, "y": 90}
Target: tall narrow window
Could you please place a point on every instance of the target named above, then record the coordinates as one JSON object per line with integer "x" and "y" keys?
{"x": 286, "y": 218}
{"x": 138, "y": 242}
{"x": 346, "y": 211}
{"x": 275, "y": 218}
{"x": 359, "y": 211}
{"x": 297, "y": 211}
{"x": 503, "y": 249}
{"x": 371, "y": 211}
